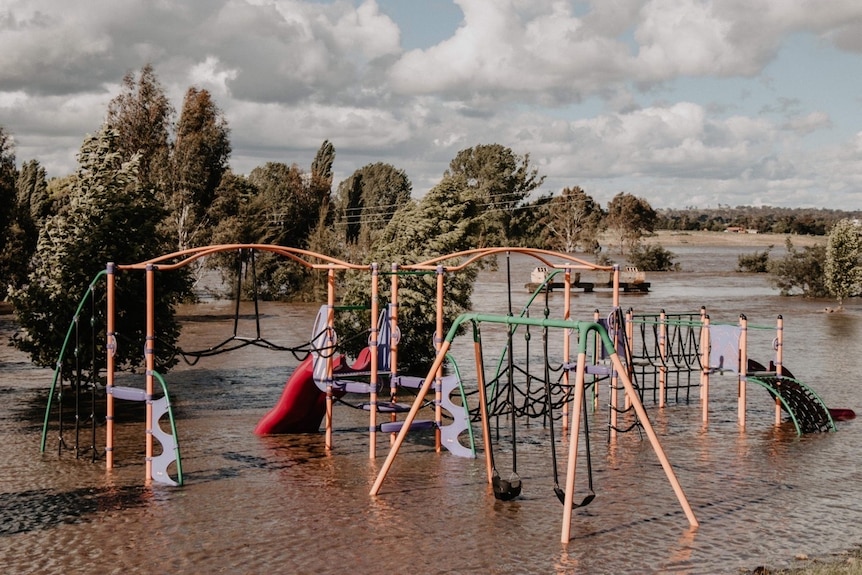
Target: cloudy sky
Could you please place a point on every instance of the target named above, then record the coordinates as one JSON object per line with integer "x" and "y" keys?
{"x": 681, "y": 102}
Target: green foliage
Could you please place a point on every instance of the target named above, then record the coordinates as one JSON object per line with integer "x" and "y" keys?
{"x": 758, "y": 262}
{"x": 630, "y": 217}
{"x": 141, "y": 115}
{"x": 28, "y": 209}
{"x": 8, "y": 210}
{"x": 529, "y": 224}
{"x": 573, "y": 221}
{"x": 198, "y": 161}
{"x": 499, "y": 181}
{"x": 111, "y": 217}
{"x": 800, "y": 272}
{"x": 653, "y": 258}
{"x": 366, "y": 201}
{"x": 843, "y": 269}
{"x": 444, "y": 221}
{"x": 764, "y": 219}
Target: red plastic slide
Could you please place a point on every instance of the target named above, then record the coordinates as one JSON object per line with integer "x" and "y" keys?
{"x": 302, "y": 404}
{"x": 301, "y": 407}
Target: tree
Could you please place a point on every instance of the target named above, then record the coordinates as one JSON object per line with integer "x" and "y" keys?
{"x": 629, "y": 218}
{"x": 29, "y": 209}
{"x": 529, "y": 224}
{"x": 198, "y": 162}
{"x": 7, "y": 204}
{"x": 111, "y": 217}
{"x": 758, "y": 262}
{"x": 442, "y": 222}
{"x": 653, "y": 258}
{"x": 573, "y": 221}
{"x": 800, "y": 271}
{"x": 500, "y": 181}
{"x": 367, "y": 200}
{"x": 142, "y": 115}
{"x": 843, "y": 270}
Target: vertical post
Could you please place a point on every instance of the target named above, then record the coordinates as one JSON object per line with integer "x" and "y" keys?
{"x": 408, "y": 421}
{"x": 567, "y": 312}
{"x": 571, "y": 466}
{"x": 483, "y": 405}
{"x": 704, "y": 363}
{"x": 656, "y": 444}
{"x": 150, "y": 361}
{"x": 110, "y": 365}
{"x": 743, "y": 366}
{"x": 329, "y": 344}
{"x": 779, "y": 363}
{"x": 393, "y": 344}
{"x": 662, "y": 351}
{"x": 629, "y": 327}
{"x": 372, "y": 344}
{"x": 438, "y": 376}
{"x": 597, "y": 354}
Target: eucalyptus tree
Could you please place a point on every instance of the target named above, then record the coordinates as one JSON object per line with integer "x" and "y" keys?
{"x": 573, "y": 221}
{"x": 629, "y": 218}
{"x": 843, "y": 267}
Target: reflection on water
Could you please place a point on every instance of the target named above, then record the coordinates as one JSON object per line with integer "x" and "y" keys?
{"x": 285, "y": 505}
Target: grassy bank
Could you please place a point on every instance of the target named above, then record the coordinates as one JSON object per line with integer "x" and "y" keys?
{"x": 669, "y": 238}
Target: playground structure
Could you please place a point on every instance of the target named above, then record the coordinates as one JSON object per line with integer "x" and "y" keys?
{"x": 637, "y": 357}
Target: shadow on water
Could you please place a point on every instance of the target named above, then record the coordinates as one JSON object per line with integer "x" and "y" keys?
{"x": 41, "y": 509}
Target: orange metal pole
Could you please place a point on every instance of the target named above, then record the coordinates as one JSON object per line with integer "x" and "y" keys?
{"x": 743, "y": 367}
{"x": 438, "y": 382}
{"x": 565, "y": 535}
{"x": 393, "y": 344}
{"x": 330, "y": 354}
{"x": 779, "y": 363}
{"x": 629, "y": 329}
{"x": 411, "y": 416}
{"x": 372, "y": 413}
{"x": 150, "y": 360}
{"x": 110, "y": 366}
{"x": 656, "y": 445}
{"x": 567, "y": 312}
{"x": 483, "y": 408}
{"x": 704, "y": 362}
{"x": 662, "y": 350}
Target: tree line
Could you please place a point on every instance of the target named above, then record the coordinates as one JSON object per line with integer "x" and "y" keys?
{"x": 149, "y": 182}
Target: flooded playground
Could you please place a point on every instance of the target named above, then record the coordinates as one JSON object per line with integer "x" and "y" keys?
{"x": 284, "y": 504}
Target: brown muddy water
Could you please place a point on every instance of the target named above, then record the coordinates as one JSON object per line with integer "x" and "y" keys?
{"x": 283, "y": 504}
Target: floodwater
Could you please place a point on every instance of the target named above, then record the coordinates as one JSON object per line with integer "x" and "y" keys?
{"x": 283, "y": 504}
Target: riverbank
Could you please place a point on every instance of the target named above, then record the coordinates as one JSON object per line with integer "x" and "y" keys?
{"x": 671, "y": 238}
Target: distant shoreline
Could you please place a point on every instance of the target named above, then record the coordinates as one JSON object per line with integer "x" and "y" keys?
{"x": 671, "y": 238}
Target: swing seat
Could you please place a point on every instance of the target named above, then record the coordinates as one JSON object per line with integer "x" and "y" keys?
{"x": 388, "y": 407}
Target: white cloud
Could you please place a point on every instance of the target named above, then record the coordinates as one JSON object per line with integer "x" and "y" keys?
{"x": 567, "y": 82}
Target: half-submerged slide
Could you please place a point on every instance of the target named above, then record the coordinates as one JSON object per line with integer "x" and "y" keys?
{"x": 302, "y": 404}
{"x": 301, "y": 407}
